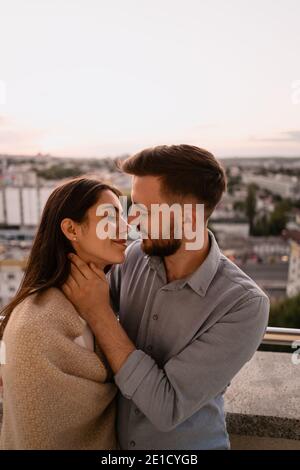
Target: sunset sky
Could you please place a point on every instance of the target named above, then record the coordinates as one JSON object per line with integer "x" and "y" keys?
{"x": 97, "y": 78}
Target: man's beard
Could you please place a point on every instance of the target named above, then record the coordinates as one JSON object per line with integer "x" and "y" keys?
{"x": 161, "y": 247}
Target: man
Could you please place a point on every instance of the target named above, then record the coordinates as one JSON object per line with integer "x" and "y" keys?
{"x": 188, "y": 319}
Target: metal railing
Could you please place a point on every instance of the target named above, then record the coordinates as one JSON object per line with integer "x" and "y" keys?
{"x": 275, "y": 335}
{"x": 281, "y": 336}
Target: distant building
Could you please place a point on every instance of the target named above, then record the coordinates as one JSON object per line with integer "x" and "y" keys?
{"x": 294, "y": 222}
{"x": 24, "y": 178}
{"x": 270, "y": 248}
{"x": 22, "y": 206}
{"x": 285, "y": 186}
{"x": 264, "y": 259}
{"x": 270, "y": 277}
{"x": 225, "y": 227}
{"x": 11, "y": 273}
{"x": 293, "y": 285}
{"x": 23, "y": 195}
{"x": 255, "y": 249}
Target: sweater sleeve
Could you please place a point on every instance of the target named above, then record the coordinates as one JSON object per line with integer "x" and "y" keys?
{"x": 51, "y": 391}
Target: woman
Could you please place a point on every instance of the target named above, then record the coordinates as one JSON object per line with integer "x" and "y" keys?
{"x": 58, "y": 391}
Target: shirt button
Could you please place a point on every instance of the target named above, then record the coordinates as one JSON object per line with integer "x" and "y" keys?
{"x": 155, "y": 317}
{"x": 137, "y": 411}
{"x": 132, "y": 443}
{"x": 149, "y": 348}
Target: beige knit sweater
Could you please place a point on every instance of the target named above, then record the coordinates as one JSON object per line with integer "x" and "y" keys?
{"x": 56, "y": 394}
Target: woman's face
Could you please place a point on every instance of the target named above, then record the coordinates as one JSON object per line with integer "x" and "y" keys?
{"x": 90, "y": 241}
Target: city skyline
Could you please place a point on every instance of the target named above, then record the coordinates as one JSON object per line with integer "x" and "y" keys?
{"x": 92, "y": 79}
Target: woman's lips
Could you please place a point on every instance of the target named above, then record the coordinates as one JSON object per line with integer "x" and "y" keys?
{"x": 120, "y": 242}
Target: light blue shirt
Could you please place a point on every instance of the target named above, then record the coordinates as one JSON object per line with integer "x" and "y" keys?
{"x": 192, "y": 337}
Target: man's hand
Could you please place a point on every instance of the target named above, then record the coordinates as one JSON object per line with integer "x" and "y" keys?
{"x": 87, "y": 288}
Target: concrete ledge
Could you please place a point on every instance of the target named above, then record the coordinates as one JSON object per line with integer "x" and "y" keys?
{"x": 263, "y": 400}
{"x": 262, "y": 403}
{"x": 263, "y": 426}
{"x": 262, "y": 443}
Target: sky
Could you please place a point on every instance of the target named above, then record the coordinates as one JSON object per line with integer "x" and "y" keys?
{"x": 109, "y": 77}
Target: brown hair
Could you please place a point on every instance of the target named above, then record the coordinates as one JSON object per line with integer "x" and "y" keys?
{"x": 183, "y": 170}
{"x": 48, "y": 265}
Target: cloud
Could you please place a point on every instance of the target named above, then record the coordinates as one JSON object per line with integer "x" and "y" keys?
{"x": 287, "y": 136}
{"x": 294, "y": 136}
{"x": 16, "y": 138}
{"x": 5, "y": 121}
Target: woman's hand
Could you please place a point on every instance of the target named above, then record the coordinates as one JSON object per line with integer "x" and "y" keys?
{"x": 88, "y": 290}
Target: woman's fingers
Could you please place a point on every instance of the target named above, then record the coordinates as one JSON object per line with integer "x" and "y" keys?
{"x": 81, "y": 265}
{"x": 72, "y": 282}
{"x": 77, "y": 275}
{"x": 98, "y": 271}
{"x": 66, "y": 289}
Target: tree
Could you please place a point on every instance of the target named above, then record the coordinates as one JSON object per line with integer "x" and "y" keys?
{"x": 56, "y": 172}
{"x": 251, "y": 206}
{"x": 261, "y": 228}
{"x": 286, "y": 313}
{"x": 273, "y": 224}
{"x": 239, "y": 206}
{"x": 279, "y": 217}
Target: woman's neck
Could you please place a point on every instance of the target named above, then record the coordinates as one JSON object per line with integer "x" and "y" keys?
{"x": 101, "y": 264}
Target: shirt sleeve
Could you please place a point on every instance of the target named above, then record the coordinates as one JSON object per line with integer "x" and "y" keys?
{"x": 168, "y": 396}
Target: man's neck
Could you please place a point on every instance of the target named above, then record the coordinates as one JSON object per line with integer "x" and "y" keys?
{"x": 185, "y": 262}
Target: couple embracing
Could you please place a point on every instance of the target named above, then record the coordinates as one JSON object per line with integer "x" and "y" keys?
{"x": 110, "y": 346}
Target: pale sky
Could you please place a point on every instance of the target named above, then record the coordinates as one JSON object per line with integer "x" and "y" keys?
{"x": 97, "y": 78}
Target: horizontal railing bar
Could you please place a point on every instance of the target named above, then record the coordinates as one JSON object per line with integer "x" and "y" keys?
{"x": 281, "y": 336}
{"x": 274, "y": 335}
{"x": 285, "y": 331}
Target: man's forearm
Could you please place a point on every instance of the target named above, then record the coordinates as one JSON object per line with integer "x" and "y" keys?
{"x": 112, "y": 339}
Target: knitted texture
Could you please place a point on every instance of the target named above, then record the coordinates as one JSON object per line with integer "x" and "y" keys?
{"x": 56, "y": 394}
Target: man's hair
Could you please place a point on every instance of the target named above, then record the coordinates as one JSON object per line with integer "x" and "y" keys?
{"x": 183, "y": 170}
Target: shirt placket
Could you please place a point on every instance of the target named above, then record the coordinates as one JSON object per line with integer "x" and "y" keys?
{"x": 144, "y": 342}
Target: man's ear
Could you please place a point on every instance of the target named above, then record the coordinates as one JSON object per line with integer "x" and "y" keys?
{"x": 68, "y": 228}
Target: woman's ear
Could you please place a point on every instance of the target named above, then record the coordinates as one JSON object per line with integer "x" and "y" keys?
{"x": 69, "y": 230}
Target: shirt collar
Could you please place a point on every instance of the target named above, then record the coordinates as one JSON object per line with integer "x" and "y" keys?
{"x": 200, "y": 279}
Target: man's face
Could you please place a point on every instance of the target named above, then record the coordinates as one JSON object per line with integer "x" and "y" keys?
{"x": 146, "y": 191}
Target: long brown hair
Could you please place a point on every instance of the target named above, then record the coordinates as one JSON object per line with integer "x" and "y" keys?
{"x": 48, "y": 265}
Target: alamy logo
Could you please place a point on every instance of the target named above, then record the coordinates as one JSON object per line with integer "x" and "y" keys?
{"x": 296, "y": 354}
{"x": 2, "y": 353}
{"x": 161, "y": 221}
